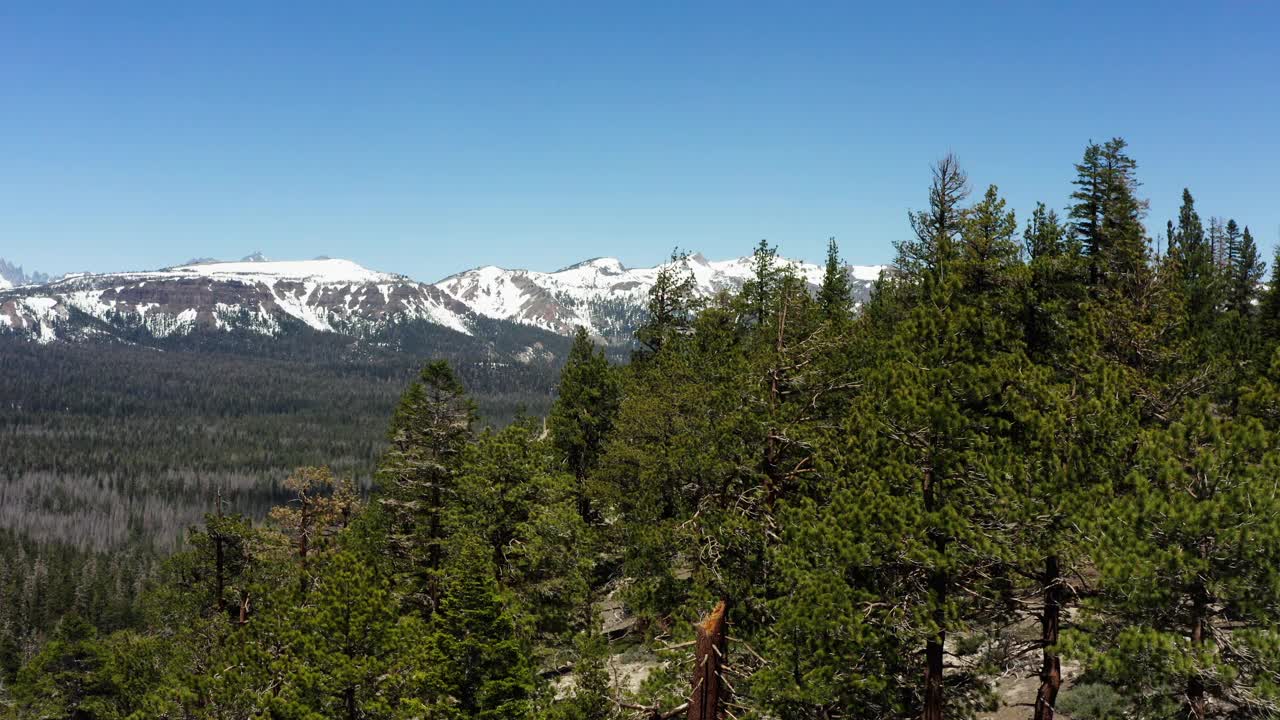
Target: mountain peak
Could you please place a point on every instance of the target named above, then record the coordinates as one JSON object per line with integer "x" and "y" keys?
{"x": 328, "y": 270}
{"x": 255, "y": 257}
{"x": 609, "y": 265}
{"x": 13, "y": 275}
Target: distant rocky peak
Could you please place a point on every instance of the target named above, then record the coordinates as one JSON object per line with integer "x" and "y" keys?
{"x": 11, "y": 275}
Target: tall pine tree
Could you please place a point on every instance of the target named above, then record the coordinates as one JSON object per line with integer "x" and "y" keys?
{"x": 429, "y": 431}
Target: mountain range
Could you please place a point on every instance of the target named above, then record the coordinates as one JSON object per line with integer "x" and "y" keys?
{"x": 269, "y": 298}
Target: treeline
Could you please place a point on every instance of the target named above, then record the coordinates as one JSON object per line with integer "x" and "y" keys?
{"x": 1037, "y": 442}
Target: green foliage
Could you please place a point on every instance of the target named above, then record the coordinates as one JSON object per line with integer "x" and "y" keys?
{"x": 1019, "y": 449}
{"x": 1192, "y": 255}
{"x": 1190, "y": 545}
{"x": 671, "y": 306}
{"x": 584, "y": 412}
{"x": 835, "y": 294}
{"x": 1106, "y": 217}
{"x": 592, "y": 694}
{"x": 348, "y": 654}
{"x": 429, "y": 433}
{"x": 1092, "y": 701}
{"x": 482, "y": 667}
{"x": 513, "y": 492}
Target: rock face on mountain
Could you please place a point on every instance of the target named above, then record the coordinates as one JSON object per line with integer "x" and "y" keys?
{"x": 603, "y": 295}
{"x": 13, "y": 275}
{"x": 268, "y": 297}
{"x": 254, "y": 295}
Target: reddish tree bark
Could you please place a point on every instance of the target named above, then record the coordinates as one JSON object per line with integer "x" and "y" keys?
{"x": 708, "y": 691}
{"x": 1050, "y": 618}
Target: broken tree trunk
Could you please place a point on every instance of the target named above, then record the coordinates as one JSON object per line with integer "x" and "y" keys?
{"x": 709, "y": 692}
{"x": 1051, "y": 665}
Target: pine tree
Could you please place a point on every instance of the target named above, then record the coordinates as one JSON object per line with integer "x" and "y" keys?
{"x": 1192, "y": 256}
{"x": 593, "y": 694}
{"x": 937, "y": 230}
{"x": 69, "y": 678}
{"x": 988, "y": 249}
{"x": 762, "y": 286}
{"x": 482, "y": 665}
{"x": 916, "y": 508}
{"x": 1216, "y": 236}
{"x": 1058, "y": 276}
{"x": 319, "y": 506}
{"x": 1086, "y": 214}
{"x": 1269, "y": 310}
{"x": 1107, "y": 217}
{"x": 514, "y": 492}
{"x": 1245, "y": 268}
{"x": 683, "y": 439}
{"x": 835, "y": 293}
{"x": 584, "y": 412}
{"x": 428, "y": 434}
{"x": 1044, "y": 236}
{"x": 346, "y": 655}
{"x": 671, "y": 305}
{"x": 1188, "y": 552}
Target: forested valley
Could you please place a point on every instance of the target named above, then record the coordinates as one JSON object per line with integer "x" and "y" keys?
{"x": 1045, "y": 450}
{"x": 109, "y": 453}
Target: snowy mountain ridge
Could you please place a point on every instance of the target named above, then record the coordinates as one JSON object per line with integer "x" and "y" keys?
{"x": 602, "y": 294}
{"x": 340, "y": 296}
{"x": 256, "y": 295}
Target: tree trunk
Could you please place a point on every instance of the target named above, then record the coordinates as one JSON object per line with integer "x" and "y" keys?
{"x": 350, "y": 698}
{"x": 709, "y": 694}
{"x": 1197, "y": 704}
{"x": 1051, "y": 666}
{"x": 933, "y": 658}
{"x": 219, "y": 580}
{"x": 304, "y": 532}
{"x": 219, "y": 569}
{"x": 935, "y": 646}
{"x": 433, "y": 553}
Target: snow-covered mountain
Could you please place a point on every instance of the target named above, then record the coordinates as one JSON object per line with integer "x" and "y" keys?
{"x": 255, "y": 295}
{"x": 603, "y": 295}
{"x": 338, "y": 296}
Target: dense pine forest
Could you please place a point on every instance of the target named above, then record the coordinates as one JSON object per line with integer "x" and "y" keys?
{"x": 1045, "y": 452}
{"x": 109, "y": 453}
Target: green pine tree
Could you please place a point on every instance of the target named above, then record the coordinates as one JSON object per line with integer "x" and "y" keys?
{"x": 514, "y": 492}
{"x": 428, "y": 434}
{"x": 1188, "y": 551}
{"x": 835, "y": 294}
{"x": 1245, "y": 267}
{"x": 671, "y": 305}
{"x": 1192, "y": 255}
{"x": 1107, "y": 218}
{"x": 584, "y": 412}
{"x": 482, "y": 668}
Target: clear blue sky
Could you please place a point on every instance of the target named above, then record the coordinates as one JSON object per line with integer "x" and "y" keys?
{"x": 425, "y": 138}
